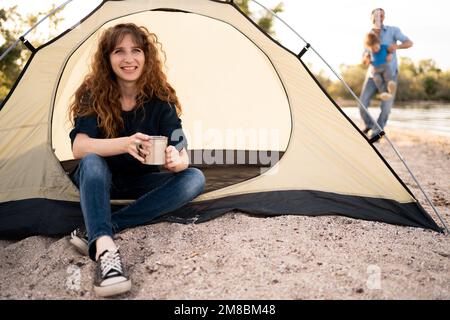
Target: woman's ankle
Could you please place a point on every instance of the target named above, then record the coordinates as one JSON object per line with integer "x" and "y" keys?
{"x": 104, "y": 243}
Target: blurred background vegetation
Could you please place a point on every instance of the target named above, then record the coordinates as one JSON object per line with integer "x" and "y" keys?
{"x": 418, "y": 81}
{"x": 421, "y": 80}
{"x": 12, "y": 25}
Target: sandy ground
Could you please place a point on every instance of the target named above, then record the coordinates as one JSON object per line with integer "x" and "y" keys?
{"x": 238, "y": 256}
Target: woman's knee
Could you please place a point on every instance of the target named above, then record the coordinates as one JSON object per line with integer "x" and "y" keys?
{"x": 93, "y": 166}
{"x": 195, "y": 180}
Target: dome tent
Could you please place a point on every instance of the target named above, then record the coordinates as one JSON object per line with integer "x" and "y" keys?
{"x": 248, "y": 102}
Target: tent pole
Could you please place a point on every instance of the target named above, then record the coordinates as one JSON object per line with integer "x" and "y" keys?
{"x": 365, "y": 110}
{"x": 31, "y": 29}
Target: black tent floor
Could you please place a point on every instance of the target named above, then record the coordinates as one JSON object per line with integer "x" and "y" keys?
{"x": 217, "y": 176}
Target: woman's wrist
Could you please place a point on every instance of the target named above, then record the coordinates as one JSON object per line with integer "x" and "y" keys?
{"x": 124, "y": 144}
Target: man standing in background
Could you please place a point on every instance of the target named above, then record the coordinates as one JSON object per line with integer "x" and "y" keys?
{"x": 390, "y": 36}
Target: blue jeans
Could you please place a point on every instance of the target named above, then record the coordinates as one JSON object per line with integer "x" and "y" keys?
{"x": 368, "y": 91}
{"x": 157, "y": 193}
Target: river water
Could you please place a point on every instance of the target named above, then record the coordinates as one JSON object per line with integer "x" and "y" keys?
{"x": 434, "y": 119}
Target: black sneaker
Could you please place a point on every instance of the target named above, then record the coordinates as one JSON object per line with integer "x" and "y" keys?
{"x": 110, "y": 276}
{"x": 79, "y": 239}
{"x": 376, "y": 137}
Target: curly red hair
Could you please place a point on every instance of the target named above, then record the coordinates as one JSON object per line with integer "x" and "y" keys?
{"x": 99, "y": 93}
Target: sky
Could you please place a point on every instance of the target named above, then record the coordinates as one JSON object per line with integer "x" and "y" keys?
{"x": 334, "y": 28}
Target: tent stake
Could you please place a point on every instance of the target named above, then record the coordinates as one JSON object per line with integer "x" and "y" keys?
{"x": 365, "y": 110}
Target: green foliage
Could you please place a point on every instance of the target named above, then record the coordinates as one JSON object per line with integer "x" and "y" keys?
{"x": 417, "y": 81}
{"x": 264, "y": 20}
{"x": 10, "y": 66}
{"x": 353, "y": 75}
{"x": 243, "y": 5}
{"x": 12, "y": 26}
{"x": 422, "y": 81}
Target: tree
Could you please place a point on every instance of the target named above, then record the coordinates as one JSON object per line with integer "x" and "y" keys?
{"x": 12, "y": 25}
{"x": 422, "y": 81}
{"x": 265, "y": 21}
{"x": 354, "y": 76}
{"x": 427, "y": 66}
{"x": 443, "y": 92}
{"x": 10, "y": 66}
{"x": 430, "y": 78}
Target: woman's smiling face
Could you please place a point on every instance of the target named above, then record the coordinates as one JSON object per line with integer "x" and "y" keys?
{"x": 127, "y": 60}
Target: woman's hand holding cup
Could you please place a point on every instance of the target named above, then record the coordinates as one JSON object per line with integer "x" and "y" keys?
{"x": 138, "y": 145}
{"x": 173, "y": 158}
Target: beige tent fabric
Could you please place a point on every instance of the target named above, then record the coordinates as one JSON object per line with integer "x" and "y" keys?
{"x": 28, "y": 167}
{"x": 324, "y": 153}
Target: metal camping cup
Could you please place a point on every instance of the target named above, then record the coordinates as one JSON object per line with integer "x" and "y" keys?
{"x": 157, "y": 150}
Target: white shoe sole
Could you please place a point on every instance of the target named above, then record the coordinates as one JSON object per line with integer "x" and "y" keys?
{"x": 113, "y": 289}
{"x": 80, "y": 245}
{"x": 385, "y": 96}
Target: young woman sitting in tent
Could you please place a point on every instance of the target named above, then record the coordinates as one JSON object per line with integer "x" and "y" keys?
{"x": 121, "y": 104}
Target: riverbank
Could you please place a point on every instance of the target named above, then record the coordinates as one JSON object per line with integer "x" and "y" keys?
{"x": 434, "y": 120}
{"x": 238, "y": 256}
{"x": 343, "y": 103}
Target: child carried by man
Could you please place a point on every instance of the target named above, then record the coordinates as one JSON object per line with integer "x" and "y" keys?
{"x": 379, "y": 56}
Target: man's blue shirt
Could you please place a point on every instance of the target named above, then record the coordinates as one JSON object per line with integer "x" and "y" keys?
{"x": 390, "y": 35}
